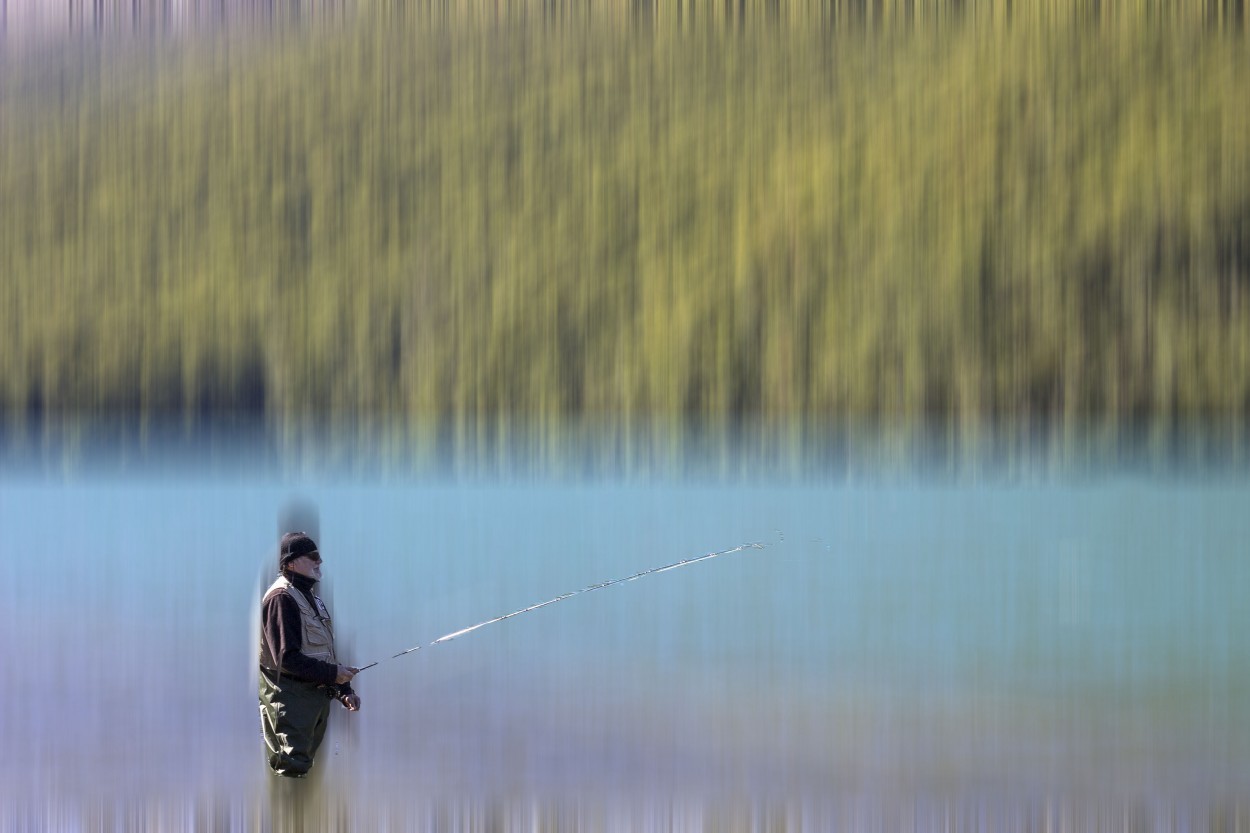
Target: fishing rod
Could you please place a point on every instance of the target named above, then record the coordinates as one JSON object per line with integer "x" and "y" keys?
{"x": 754, "y": 545}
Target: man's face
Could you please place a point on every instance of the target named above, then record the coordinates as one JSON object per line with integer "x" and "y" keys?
{"x": 308, "y": 566}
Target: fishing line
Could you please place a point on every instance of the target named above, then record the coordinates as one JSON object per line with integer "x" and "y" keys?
{"x": 755, "y": 545}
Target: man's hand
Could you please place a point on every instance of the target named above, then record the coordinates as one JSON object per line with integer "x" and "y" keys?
{"x": 346, "y": 672}
{"x": 351, "y": 702}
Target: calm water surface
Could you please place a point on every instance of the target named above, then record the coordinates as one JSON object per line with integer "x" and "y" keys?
{"x": 1013, "y": 644}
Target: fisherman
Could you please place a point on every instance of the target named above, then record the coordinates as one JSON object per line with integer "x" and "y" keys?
{"x": 299, "y": 673}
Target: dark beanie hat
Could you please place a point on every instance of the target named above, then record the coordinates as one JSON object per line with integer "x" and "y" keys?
{"x": 293, "y": 545}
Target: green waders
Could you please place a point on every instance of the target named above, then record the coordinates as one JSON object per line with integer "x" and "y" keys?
{"x": 293, "y": 717}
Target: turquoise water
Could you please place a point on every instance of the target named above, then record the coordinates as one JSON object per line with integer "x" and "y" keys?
{"x": 1062, "y": 641}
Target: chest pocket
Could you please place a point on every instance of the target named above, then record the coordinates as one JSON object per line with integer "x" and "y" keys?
{"x": 318, "y": 632}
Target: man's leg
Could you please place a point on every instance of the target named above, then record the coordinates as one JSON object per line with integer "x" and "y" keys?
{"x": 293, "y": 721}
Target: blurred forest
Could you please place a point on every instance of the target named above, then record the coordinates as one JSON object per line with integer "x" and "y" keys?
{"x": 438, "y": 223}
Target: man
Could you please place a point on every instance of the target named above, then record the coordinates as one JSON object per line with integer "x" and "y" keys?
{"x": 299, "y": 673}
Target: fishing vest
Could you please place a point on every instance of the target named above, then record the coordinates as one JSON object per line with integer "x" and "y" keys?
{"x": 317, "y": 634}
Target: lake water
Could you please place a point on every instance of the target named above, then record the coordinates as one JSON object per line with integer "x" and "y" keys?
{"x": 992, "y": 651}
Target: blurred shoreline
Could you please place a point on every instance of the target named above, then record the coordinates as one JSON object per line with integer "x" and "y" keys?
{"x": 587, "y": 450}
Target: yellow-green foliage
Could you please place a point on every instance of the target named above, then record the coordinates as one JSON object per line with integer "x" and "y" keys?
{"x": 467, "y": 213}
